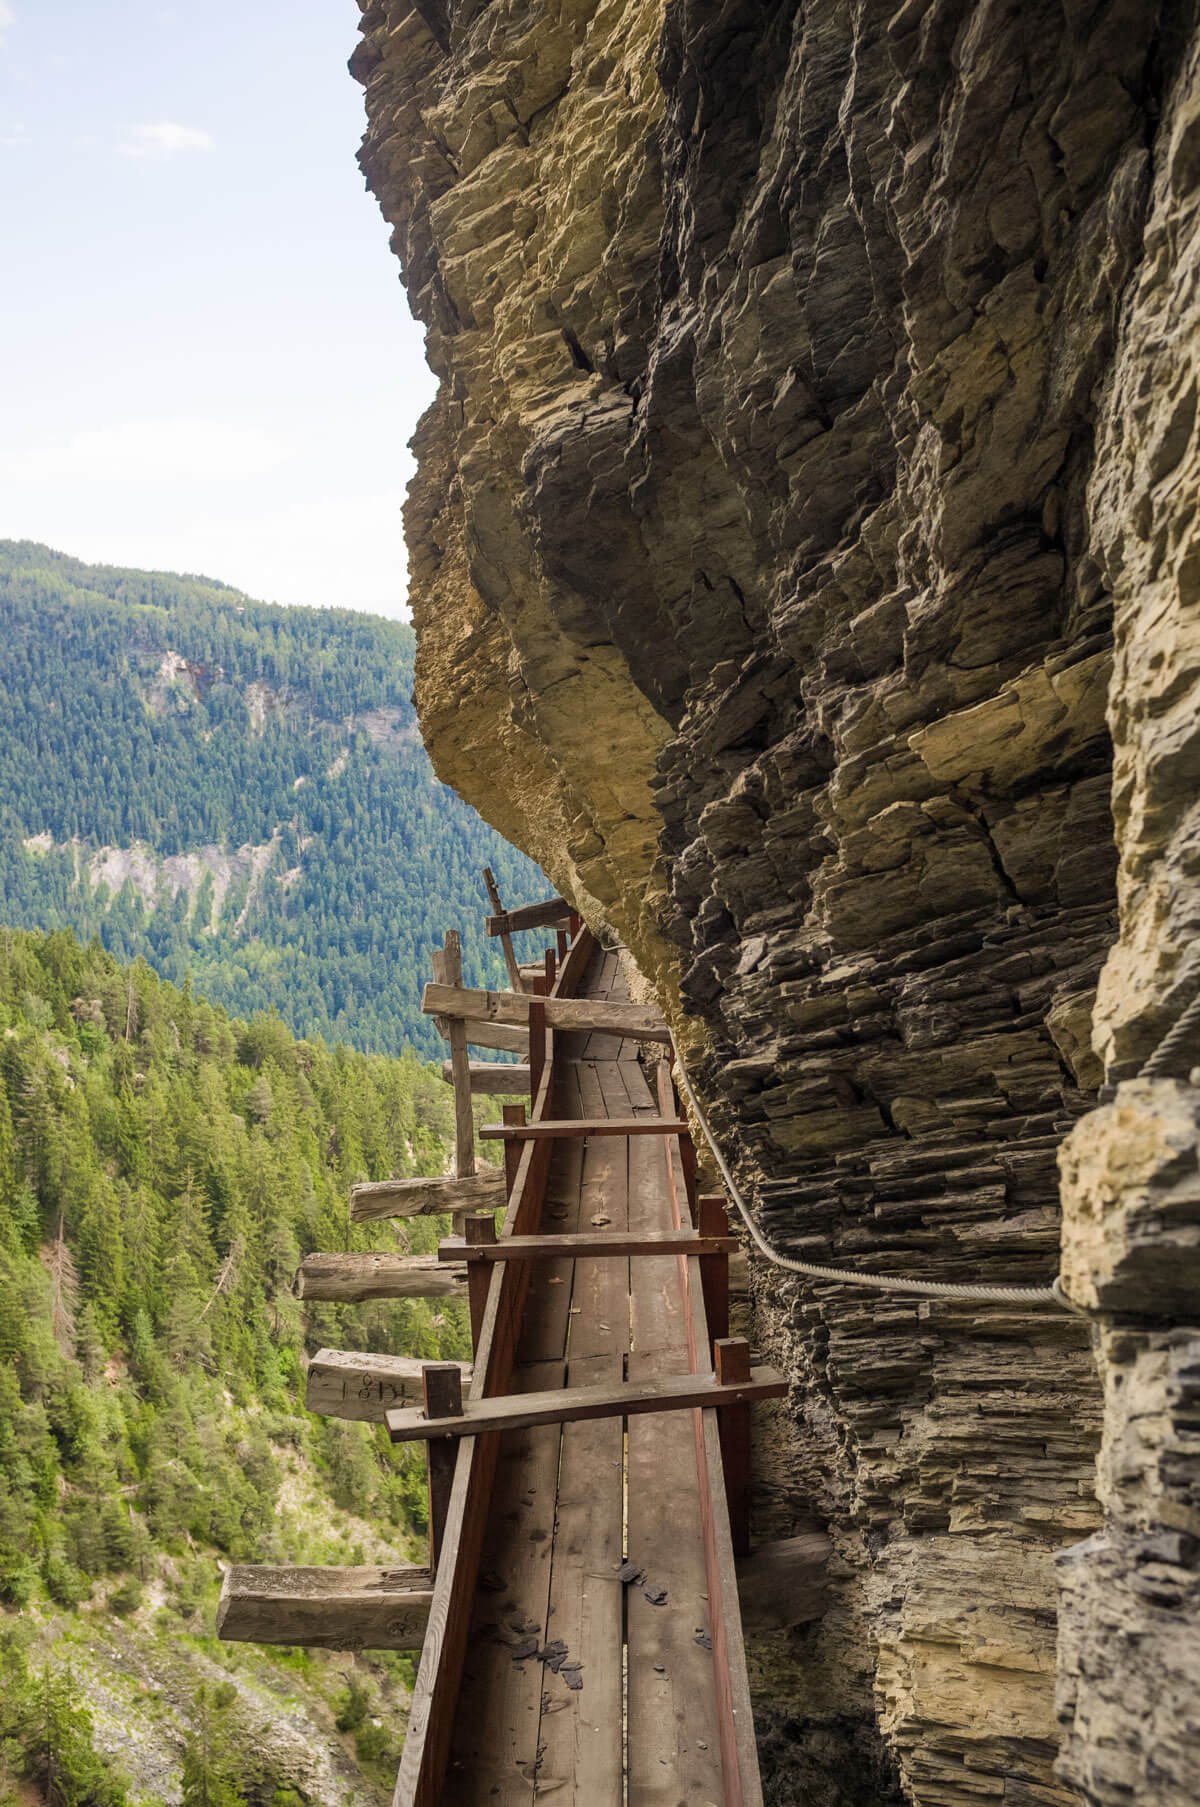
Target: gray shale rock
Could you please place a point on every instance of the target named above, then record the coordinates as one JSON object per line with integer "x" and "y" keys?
{"x": 817, "y": 397}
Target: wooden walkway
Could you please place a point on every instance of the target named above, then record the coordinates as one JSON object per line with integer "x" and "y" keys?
{"x": 628, "y": 1697}
{"x": 579, "y": 1625}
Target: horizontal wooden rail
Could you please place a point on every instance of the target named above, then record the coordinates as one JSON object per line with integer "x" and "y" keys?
{"x": 548, "y": 915}
{"x": 493, "y": 1076}
{"x": 327, "y": 1608}
{"x": 359, "y": 1385}
{"x": 352, "y": 1278}
{"x": 483, "y": 1190}
{"x": 521, "y": 1411}
{"x": 573, "y": 1247}
{"x": 636, "y": 1022}
{"x": 483, "y": 1034}
{"x": 566, "y": 1127}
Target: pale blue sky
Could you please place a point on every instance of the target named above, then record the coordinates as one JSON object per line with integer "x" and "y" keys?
{"x": 208, "y": 364}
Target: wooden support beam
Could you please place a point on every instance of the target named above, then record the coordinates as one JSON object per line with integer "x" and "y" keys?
{"x": 731, "y": 1357}
{"x": 784, "y": 1583}
{"x": 356, "y": 1384}
{"x": 551, "y": 967}
{"x": 493, "y": 1035}
{"x": 325, "y": 1608}
{"x": 480, "y": 1235}
{"x": 576, "y": 1247}
{"x": 442, "y": 1385}
{"x": 563, "y": 1128}
{"x": 636, "y": 1022}
{"x": 464, "y": 1119}
{"x": 483, "y": 1191}
{"x": 492, "y": 1076}
{"x": 562, "y": 942}
{"x": 712, "y": 1220}
{"x": 537, "y": 1043}
{"x": 510, "y": 958}
{"x": 514, "y": 1114}
{"x": 546, "y": 915}
{"x": 520, "y": 1411}
{"x": 351, "y": 1278}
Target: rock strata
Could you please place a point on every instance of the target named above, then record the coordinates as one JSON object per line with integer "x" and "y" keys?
{"x": 816, "y": 398}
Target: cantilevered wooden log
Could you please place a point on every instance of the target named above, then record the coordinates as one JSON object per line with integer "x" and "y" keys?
{"x": 638, "y": 1022}
{"x": 493, "y": 1076}
{"x": 500, "y": 1036}
{"x": 546, "y": 915}
{"x": 353, "y": 1383}
{"x": 350, "y": 1278}
{"x": 784, "y": 1583}
{"x": 329, "y": 1608}
{"x": 521, "y": 1411}
{"x": 481, "y": 1191}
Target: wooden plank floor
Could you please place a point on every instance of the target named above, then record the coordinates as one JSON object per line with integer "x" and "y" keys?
{"x": 625, "y": 1709}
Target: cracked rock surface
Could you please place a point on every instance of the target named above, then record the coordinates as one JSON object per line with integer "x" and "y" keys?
{"x": 806, "y": 510}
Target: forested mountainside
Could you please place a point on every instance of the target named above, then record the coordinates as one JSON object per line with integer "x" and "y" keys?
{"x": 235, "y": 790}
{"x": 162, "y": 1169}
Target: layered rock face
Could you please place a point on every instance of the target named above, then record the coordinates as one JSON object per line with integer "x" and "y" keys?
{"x": 813, "y": 381}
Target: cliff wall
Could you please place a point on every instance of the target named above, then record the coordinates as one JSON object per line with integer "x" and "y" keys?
{"x": 817, "y": 401}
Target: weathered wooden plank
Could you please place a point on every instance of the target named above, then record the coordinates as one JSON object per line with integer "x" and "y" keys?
{"x": 496, "y": 1742}
{"x": 327, "y": 1608}
{"x": 740, "y": 1776}
{"x": 502, "y": 1038}
{"x": 464, "y": 1117}
{"x": 784, "y": 1583}
{"x": 582, "y": 1126}
{"x": 434, "y": 1698}
{"x": 482, "y": 1191}
{"x": 596, "y": 1244}
{"x": 351, "y": 1278}
{"x": 492, "y": 1076}
{"x": 546, "y": 915}
{"x": 510, "y": 958}
{"x": 673, "y": 1752}
{"x": 441, "y": 1388}
{"x": 356, "y": 1384}
{"x": 670, "y": 1393}
{"x": 637, "y": 1022}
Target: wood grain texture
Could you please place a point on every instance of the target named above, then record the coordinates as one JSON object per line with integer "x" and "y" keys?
{"x": 464, "y": 1117}
{"x": 355, "y": 1384}
{"x": 546, "y": 915}
{"x": 480, "y": 1191}
{"x": 632, "y": 1399}
{"x": 326, "y": 1608}
{"x": 492, "y": 1076}
{"x": 638, "y": 1022}
{"x": 351, "y": 1278}
{"x": 784, "y": 1583}
{"x": 596, "y": 1245}
{"x": 582, "y": 1126}
{"x": 434, "y": 1699}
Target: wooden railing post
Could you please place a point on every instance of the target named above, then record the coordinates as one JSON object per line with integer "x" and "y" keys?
{"x": 441, "y": 1385}
{"x": 514, "y": 1113}
{"x": 574, "y": 924}
{"x": 712, "y": 1219}
{"x": 551, "y": 969}
{"x": 464, "y": 1118}
{"x": 537, "y": 1047}
{"x": 564, "y": 942}
{"x": 479, "y": 1228}
{"x": 731, "y": 1358}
